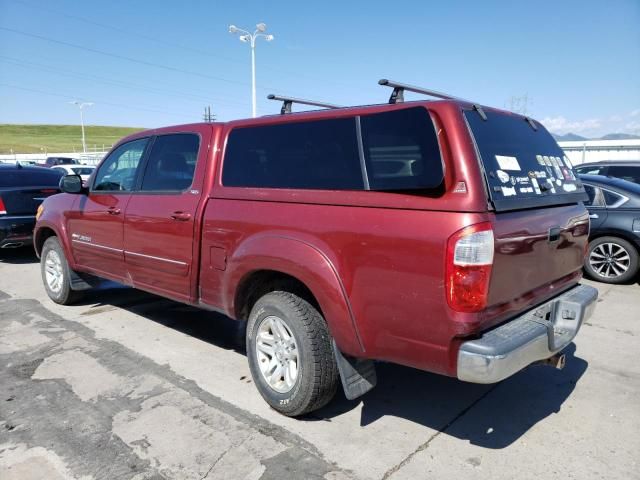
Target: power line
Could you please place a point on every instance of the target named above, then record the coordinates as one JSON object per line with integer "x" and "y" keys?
{"x": 128, "y": 32}
{"x": 122, "y": 57}
{"x": 176, "y": 45}
{"x": 101, "y": 102}
{"x": 120, "y": 83}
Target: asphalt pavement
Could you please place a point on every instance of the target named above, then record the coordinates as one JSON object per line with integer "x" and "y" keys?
{"x": 127, "y": 385}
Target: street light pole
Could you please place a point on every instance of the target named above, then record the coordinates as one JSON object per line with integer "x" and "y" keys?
{"x": 251, "y": 39}
{"x": 81, "y": 105}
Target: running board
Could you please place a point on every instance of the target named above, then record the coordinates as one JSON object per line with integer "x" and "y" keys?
{"x": 358, "y": 375}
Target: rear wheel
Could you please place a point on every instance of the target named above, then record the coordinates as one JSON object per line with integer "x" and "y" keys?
{"x": 611, "y": 260}
{"x": 290, "y": 354}
{"x": 56, "y": 274}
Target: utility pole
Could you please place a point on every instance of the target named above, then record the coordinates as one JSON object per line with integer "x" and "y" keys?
{"x": 81, "y": 105}
{"x": 208, "y": 116}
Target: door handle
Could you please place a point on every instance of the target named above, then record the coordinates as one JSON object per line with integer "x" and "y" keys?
{"x": 113, "y": 211}
{"x": 181, "y": 216}
{"x": 593, "y": 215}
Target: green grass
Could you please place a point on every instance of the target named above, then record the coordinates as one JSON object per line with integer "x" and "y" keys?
{"x": 57, "y": 138}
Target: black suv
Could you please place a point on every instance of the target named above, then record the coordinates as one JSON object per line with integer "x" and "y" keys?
{"x": 625, "y": 169}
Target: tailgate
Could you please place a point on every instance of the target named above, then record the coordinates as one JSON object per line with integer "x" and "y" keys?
{"x": 538, "y": 253}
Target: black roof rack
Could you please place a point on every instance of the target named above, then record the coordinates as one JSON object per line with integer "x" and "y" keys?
{"x": 397, "y": 96}
{"x": 288, "y": 101}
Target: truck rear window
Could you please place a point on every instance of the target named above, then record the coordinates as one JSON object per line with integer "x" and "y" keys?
{"x": 524, "y": 167}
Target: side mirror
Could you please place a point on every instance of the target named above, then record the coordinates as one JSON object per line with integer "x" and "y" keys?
{"x": 71, "y": 184}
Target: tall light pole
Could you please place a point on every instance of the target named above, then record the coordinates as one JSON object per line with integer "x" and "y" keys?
{"x": 81, "y": 105}
{"x": 251, "y": 38}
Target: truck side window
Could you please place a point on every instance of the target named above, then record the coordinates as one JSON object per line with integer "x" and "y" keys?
{"x": 118, "y": 171}
{"x": 171, "y": 164}
{"x": 319, "y": 154}
{"x": 401, "y": 150}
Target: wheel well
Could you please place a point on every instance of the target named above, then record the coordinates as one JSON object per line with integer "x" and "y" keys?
{"x": 261, "y": 282}
{"x": 43, "y": 234}
{"x": 622, "y": 235}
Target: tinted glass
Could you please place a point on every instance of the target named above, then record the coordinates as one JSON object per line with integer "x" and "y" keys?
{"x": 524, "y": 167}
{"x": 631, "y": 174}
{"x": 611, "y": 198}
{"x": 172, "y": 162}
{"x": 316, "y": 155}
{"x": 82, "y": 170}
{"x": 401, "y": 150}
{"x": 29, "y": 177}
{"x": 118, "y": 171}
{"x": 586, "y": 170}
{"x": 596, "y": 197}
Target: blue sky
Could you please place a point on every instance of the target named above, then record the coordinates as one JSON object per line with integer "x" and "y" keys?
{"x": 150, "y": 63}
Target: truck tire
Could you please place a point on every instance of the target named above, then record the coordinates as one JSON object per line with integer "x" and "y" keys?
{"x": 611, "y": 260}
{"x": 290, "y": 354}
{"x": 55, "y": 272}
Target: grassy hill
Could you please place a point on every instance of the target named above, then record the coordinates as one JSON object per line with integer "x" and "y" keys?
{"x": 57, "y": 138}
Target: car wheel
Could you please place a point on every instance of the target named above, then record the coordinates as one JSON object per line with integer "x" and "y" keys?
{"x": 290, "y": 354}
{"x": 611, "y": 260}
{"x": 56, "y": 274}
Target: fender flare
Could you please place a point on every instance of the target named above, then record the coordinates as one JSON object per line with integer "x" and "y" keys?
{"x": 309, "y": 265}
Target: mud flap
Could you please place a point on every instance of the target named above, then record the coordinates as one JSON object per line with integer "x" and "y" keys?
{"x": 358, "y": 375}
{"x": 83, "y": 281}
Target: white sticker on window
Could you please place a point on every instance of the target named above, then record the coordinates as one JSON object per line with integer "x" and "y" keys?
{"x": 569, "y": 187}
{"x": 536, "y": 186}
{"x": 508, "y": 191}
{"x": 507, "y": 163}
{"x": 503, "y": 176}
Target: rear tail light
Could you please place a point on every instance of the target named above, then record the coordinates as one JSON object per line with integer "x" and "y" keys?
{"x": 469, "y": 263}
{"x": 3, "y": 209}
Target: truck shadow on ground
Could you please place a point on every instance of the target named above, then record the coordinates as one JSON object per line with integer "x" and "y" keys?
{"x": 491, "y": 416}
{"x": 18, "y": 256}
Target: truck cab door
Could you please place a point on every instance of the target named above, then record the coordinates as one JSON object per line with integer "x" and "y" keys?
{"x": 160, "y": 219}
{"x": 95, "y": 225}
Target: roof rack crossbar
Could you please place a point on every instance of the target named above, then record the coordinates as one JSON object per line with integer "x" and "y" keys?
{"x": 288, "y": 101}
{"x": 397, "y": 96}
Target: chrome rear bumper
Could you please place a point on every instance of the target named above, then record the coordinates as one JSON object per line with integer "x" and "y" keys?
{"x": 536, "y": 335}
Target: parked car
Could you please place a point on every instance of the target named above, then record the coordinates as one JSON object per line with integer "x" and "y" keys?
{"x": 22, "y": 190}
{"x": 626, "y": 170}
{"x": 614, "y": 241}
{"x": 440, "y": 235}
{"x": 84, "y": 171}
{"x": 55, "y": 161}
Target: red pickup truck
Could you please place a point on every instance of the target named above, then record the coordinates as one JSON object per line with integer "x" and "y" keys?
{"x": 442, "y": 235}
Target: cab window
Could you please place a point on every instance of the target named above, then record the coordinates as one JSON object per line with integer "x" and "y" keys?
{"x": 118, "y": 172}
{"x": 172, "y": 163}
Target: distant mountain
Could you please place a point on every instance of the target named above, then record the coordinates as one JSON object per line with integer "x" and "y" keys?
{"x": 572, "y": 137}
{"x": 568, "y": 137}
{"x": 619, "y": 136}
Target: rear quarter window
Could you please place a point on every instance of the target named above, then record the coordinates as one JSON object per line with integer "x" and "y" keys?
{"x": 401, "y": 149}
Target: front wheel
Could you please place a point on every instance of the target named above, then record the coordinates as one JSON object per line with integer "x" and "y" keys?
{"x": 290, "y": 354}
{"x": 611, "y": 260}
{"x": 56, "y": 274}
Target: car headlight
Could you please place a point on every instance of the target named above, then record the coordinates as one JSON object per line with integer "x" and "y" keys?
{"x": 39, "y": 211}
